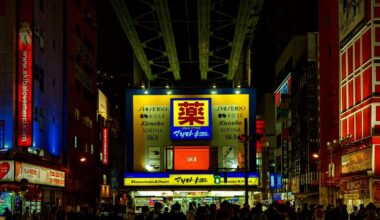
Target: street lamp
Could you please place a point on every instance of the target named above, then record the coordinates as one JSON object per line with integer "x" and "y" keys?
{"x": 331, "y": 169}
{"x": 331, "y": 146}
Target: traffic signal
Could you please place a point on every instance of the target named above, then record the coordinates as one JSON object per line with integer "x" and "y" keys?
{"x": 216, "y": 178}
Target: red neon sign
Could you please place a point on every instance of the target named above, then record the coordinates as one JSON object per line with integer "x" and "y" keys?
{"x": 24, "y": 87}
{"x": 191, "y": 158}
{"x": 105, "y": 146}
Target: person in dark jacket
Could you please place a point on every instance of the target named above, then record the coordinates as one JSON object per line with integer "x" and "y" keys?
{"x": 176, "y": 213}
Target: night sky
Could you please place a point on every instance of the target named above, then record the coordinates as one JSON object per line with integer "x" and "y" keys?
{"x": 279, "y": 20}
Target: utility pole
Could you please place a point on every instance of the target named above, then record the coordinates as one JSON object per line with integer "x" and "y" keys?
{"x": 246, "y": 160}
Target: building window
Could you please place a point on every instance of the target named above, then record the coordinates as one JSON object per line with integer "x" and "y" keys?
{"x": 76, "y": 142}
{"x": 42, "y": 6}
{"x": 78, "y": 86}
{"x": 77, "y": 114}
{"x": 91, "y": 149}
{"x": 90, "y": 124}
{"x": 41, "y": 79}
{"x": 35, "y": 113}
{"x": 42, "y": 119}
{"x": 78, "y": 30}
{"x": 42, "y": 41}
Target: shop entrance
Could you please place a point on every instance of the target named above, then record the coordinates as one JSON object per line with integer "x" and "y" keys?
{"x": 184, "y": 198}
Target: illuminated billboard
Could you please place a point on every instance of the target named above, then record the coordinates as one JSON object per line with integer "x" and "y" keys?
{"x": 285, "y": 88}
{"x": 102, "y": 104}
{"x": 24, "y": 87}
{"x": 188, "y": 179}
{"x": 191, "y": 158}
{"x": 39, "y": 175}
{"x": 351, "y": 19}
{"x": 105, "y": 146}
{"x": 190, "y": 119}
{"x": 150, "y": 118}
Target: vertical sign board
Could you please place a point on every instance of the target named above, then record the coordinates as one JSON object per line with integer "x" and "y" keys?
{"x": 275, "y": 180}
{"x": 285, "y": 150}
{"x": 105, "y": 146}
{"x": 24, "y": 87}
{"x": 190, "y": 119}
{"x": 2, "y": 135}
{"x": 272, "y": 181}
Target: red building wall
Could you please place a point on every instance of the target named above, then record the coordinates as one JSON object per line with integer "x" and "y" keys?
{"x": 328, "y": 77}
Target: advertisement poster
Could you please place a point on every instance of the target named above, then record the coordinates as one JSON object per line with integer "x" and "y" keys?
{"x": 5, "y": 201}
{"x": 7, "y": 170}
{"x": 351, "y": 19}
{"x": 39, "y": 175}
{"x": 229, "y": 158}
{"x": 191, "y": 158}
{"x": 357, "y": 161}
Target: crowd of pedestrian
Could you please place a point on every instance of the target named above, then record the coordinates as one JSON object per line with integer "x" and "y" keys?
{"x": 226, "y": 211}
{"x": 275, "y": 211}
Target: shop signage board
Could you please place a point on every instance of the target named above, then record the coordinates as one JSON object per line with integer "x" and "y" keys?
{"x": 190, "y": 119}
{"x": 149, "y": 123}
{"x": 357, "y": 161}
{"x": 39, "y": 175}
{"x": 186, "y": 179}
{"x": 191, "y": 158}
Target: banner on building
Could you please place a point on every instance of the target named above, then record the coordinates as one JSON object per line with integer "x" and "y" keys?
{"x": 105, "y": 146}
{"x": 24, "y": 87}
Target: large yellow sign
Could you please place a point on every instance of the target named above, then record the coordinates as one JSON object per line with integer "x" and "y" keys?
{"x": 189, "y": 180}
{"x": 151, "y": 124}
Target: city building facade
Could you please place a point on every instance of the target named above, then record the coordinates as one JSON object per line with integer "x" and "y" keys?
{"x": 296, "y": 108}
{"x": 82, "y": 132}
{"x": 191, "y": 146}
{"x": 31, "y": 115}
{"x": 49, "y": 132}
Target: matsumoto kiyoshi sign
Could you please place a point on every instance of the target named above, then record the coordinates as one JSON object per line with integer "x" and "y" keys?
{"x": 190, "y": 118}
{"x": 186, "y": 179}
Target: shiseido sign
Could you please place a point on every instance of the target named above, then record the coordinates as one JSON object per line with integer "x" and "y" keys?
{"x": 24, "y": 87}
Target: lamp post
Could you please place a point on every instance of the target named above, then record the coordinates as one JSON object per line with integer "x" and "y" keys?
{"x": 331, "y": 169}
{"x": 246, "y": 160}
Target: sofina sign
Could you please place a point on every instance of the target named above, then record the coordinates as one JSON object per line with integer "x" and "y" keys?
{"x": 190, "y": 119}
